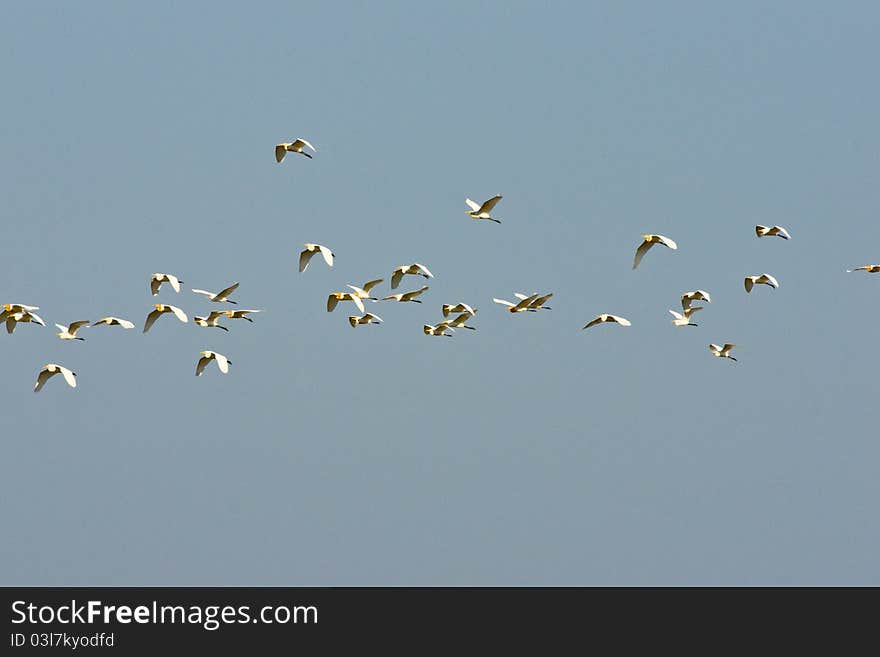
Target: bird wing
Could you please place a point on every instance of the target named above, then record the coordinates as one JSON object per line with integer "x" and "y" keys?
{"x": 598, "y": 320}
{"x": 396, "y": 275}
{"x": 175, "y": 282}
{"x": 392, "y": 296}
{"x": 727, "y": 347}
{"x": 69, "y": 376}
{"x": 10, "y": 324}
{"x": 331, "y": 303}
{"x": 216, "y": 314}
{"x": 62, "y": 328}
{"x": 227, "y": 291}
{"x": 154, "y": 286}
{"x": 222, "y": 362}
{"x": 769, "y": 280}
{"x": 641, "y": 251}
{"x": 491, "y": 203}
{"x": 328, "y": 255}
{"x": 179, "y": 314}
{"x": 373, "y": 317}
{"x": 202, "y": 364}
{"x": 299, "y": 143}
{"x": 369, "y": 285}
{"x": 34, "y": 317}
{"x": 124, "y": 323}
{"x": 42, "y": 377}
{"x": 411, "y": 295}
{"x": 676, "y": 315}
{"x": 205, "y": 292}
{"x": 520, "y": 295}
{"x": 749, "y": 282}
{"x": 540, "y": 301}
{"x": 503, "y": 302}
{"x": 152, "y": 317}
{"x": 75, "y": 326}
{"x": 690, "y": 311}
{"x": 304, "y": 258}
{"x": 665, "y": 241}
{"x": 357, "y": 301}
{"x": 623, "y": 321}
{"x": 425, "y": 270}
{"x": 280, "y": 152}
{"x": 524, "y": 303}
{"x": 473, "y": 206}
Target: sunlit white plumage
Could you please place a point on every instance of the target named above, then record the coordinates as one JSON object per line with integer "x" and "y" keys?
{"x": 688, "y": 298}
{"x": 520, "y": 307}
{"x": 406, "y": 296}
{"x": 240, "y": 314}
{"x": 22, "y": 317}
{"x": 364, "y": 292}
{"x": 650, "y": 240}
{"x": 212, "y": 320}
{"x": 872, "y": 269}
{"x": 162, "y": 309}
{"x": 368, "y": 318}
{"x": 157, "y": 279}
{"x": 115, "y": 321}
{"x": 221, "y": 296}
{"x": 482, "y": 211}
{"x": 722, "y": 351}
{"x": 296, "y": 146}
{"x": 439, "y": 330}
{"x": 311, "y": 250}
{"x": 207, "y": 357}
{"x": 684, "y": 319}
{"x": 762, "y": 279}
{"x": 51, "y": 370}
{"x": 605, "y": 317}
{"x": 69, "y": 332}
{"x": 448, "y": 309}
{"x": 12, "y": 308}
{"x": 336, "y": 297}
{"x": 772, "y": 231}
{"x": 414, "y": 269}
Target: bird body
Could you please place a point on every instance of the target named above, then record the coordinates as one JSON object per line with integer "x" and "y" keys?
{"x": 212, "y": 320}
{"x": 520, "y": 307}
{"x": 21, "y": 317}
{"x": 312, "y": 249}
{"x": 336, "y": 297}
{"x": 722, "y": 351}
{"x": 69, "y": 332}
{"x": 13, "y": 308}
{"x": 482, "y": 211}
{"x": 295, "y": 146}
{"x": 459, "y": 322}
{"x": 439, "y": 330}
{"x": 51, "y": 370}
{"x": 221, "y": 296}
{"x": 364, "y": 292}
{"x": 207, "y": 357}
{"x": 684, "y": 319}
{"x": 240, "y": 314}
{"x": 157, "y": 279}
{"x": 650, "y": 240}
{"x": 688, "y": 298}
{"x": 605, "y": 317}
{"x": 763, "y": 279}
{"x": 368, "y": 318}
{"x": 115, "y": 321}
{"x": 414, "y": 269}
{"x": 772, "y": 231}
{"x": 871, "y": 269}
{"x": 406, "y": 296}
{"x": 162, "y": 309}
{"x": 448, "y": 309}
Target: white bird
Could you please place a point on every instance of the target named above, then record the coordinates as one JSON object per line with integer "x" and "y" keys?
{"x": 312, "y": 249}
{"x": 406, "y": 296}
{"x": 688, "y": 298}
{"x": 23, "y": 317}
{"x": 482, "y": 211}
{"x": 684, "y": 319}
{"x": 336, "y": 297}
{"x": 448, "y": 309}
{"x": 157, "y": 279}
{"x": 520, "y": 307}
{"x": 161, "y": 309}
{"x": 722, "y": 351}
{"x": 415, "y": 269}
{"x": 12, "y": 308}
{"x": 51, "y": 370}
{"x": 240, "y": 314}
{"x": 459, "y": 322}
{"x": 212, "y": 320}
{"x": 608, "y": 318}
{"x": 368, "y": 318}
{"x": 295, "y": 146}
{"x": 873, "y": 269}
{"x": 221, "y": 296}
{"x": 207, "y": 357}
{"x": 364, "y": 292}
{"x": 763, "y": 279}
{"x": 438, "y": 330}
{"x": 115, "y": 321}
{"x": 772, "y": 231}
{"x": 69, "y": 332}
{"x": 537, "y": 303}
{"x": 649, "y": 241}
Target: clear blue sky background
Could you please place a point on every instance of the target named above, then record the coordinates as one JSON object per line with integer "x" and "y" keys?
{"x": 139, "y": 138}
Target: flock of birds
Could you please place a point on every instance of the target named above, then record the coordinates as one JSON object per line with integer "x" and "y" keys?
{"x": 456, "y": 316}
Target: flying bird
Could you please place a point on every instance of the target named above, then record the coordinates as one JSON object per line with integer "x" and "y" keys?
{"x": 69, "y": 332}
{"x": 688, "y": 298}
{"x": 207, "y": 356}
{"x": 649, "y": 241}
{"x": 608, "y": 318}
{"x": 537, "y": 303}
{"x": 406, "y": 296}
{"x": 240, "y": 314}
{"x": 51, "y": 370}
{"x": 763, "y": 279}
{"x": 312, "y": 249}
{"x": 459, "y": 322}
{"x": 221, "y": 296}
{"x": 22, "y": 317}
{"x": 161, "y": 309}
{"x": 723, "y": 351}
{"x": 482, "y": 211}
{"x": 448, "y": 309}
{"x": 520, "y": 307}
{"x": 438, "y": 330}
{"x": 157, "y": 279}
{"x": 368, "y": 318}
{"x": 684, "y": 319}
{"x": 772, "y": 231}
{"x": 872, "y": 269}
{"x": 364, "y": 292}
{"x": 12, "y": 308}
{"x": 415, "y": 269}
{"x": 296, "y": 146}
{"x": 115, "y": 321}
{"x": 213, "y": 319}
{"x": 336, "y": 297}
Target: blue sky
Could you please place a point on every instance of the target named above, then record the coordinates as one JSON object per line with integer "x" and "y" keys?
{"x": 140, "y": 138}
